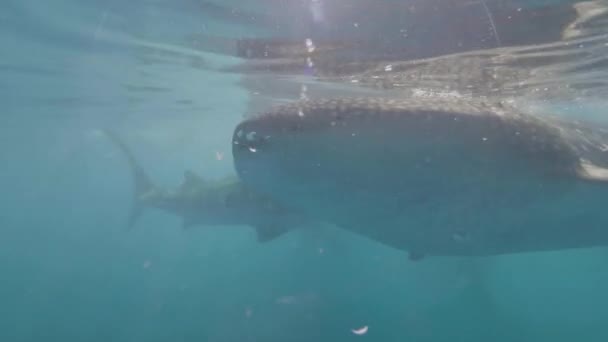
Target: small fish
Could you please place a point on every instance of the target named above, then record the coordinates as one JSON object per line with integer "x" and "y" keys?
{"x": 203, "y": 202}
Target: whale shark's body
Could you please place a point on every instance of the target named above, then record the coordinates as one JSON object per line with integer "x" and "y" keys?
{"x": 207, "y": 203}
{"x": 433, "y": 176}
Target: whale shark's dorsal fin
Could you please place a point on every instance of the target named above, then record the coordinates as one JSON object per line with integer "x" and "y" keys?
{"x": 269, "y": 232}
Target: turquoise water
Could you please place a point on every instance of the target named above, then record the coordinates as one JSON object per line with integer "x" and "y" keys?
{"x": 72, "y": 272}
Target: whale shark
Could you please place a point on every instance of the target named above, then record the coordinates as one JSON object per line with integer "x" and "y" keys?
{"x": 201, "y": 202}
{"x": 433, "y": 176}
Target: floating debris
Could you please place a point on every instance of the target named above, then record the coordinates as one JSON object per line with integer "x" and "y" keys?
{"x": 360, "y": 331}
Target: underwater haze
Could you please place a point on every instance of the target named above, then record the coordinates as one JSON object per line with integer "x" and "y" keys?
{"x": 169, "y": 76}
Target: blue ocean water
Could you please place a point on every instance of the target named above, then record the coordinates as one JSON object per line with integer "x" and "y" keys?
{"x": 71, "y": 271}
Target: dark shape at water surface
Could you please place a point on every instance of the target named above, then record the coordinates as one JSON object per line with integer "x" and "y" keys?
{"x": 531, "y": 52}
{"x": 201, "y": 202}
{"x": 385, "y": 31}
{"x": 433, "y": 176}
{"x": 407, "y": 29}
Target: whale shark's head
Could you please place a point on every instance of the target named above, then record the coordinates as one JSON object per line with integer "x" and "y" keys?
{"x": 295, "y": 148}
{"x": 388, "y": 153}
{"x": 413, "y": 174}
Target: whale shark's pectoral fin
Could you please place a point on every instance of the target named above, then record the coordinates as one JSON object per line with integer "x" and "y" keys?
{"x": 269, "y": 232}
{"x": 592, "y": 172}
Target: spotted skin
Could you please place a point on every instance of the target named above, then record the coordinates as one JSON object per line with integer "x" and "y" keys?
{"x": 432, "y": 175}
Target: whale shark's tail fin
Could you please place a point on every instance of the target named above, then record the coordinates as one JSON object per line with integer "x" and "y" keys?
{"x": 142, "y": 182}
